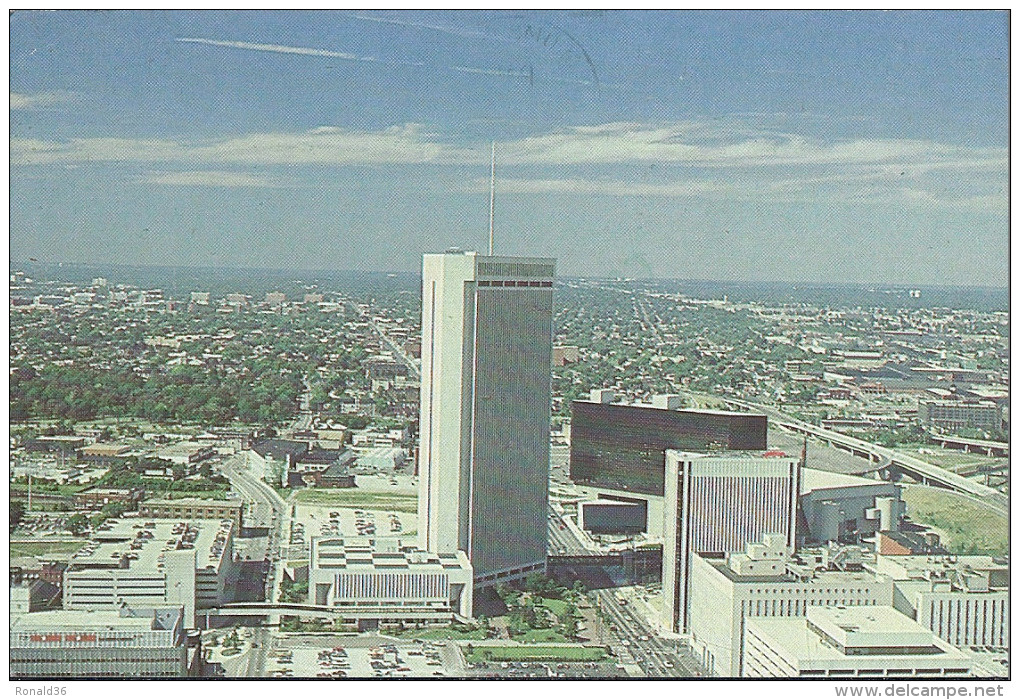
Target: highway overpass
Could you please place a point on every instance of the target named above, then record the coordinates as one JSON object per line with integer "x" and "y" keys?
{"x": 888, "y": 462}
{"x": 990, "y": 448}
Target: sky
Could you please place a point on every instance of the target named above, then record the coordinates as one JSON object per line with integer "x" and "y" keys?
{"x": 842, "y": 146}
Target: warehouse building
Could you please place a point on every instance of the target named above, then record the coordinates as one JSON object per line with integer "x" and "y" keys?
{"x": 193, "y": 509}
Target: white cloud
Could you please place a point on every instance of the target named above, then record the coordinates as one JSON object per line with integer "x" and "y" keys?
{"x": 403, "y": 144}
{"x": 213, "y": 178}
{"x": 614, "y": 188}
{"x": 711, "y": 146}
{"x": 695, "y": 159}
{"x": 835, "y": 190}
{"x": 38, "y": 100}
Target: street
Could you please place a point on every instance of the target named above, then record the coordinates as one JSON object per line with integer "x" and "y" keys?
{"x": 657, "y": 657}
{"x": 267, "y": 510}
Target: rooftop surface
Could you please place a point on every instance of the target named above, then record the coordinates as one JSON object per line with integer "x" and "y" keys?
{"x": 368, "y": 554}
{"x": 192, "y": 501}
{"x": 795, "y": 638}
{"x": 140, "y": 544}
{"x": 819, "y": 577}
{"x": 93, "y": 619}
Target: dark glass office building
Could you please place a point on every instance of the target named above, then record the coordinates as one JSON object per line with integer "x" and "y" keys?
{"x": 623, "y": 447}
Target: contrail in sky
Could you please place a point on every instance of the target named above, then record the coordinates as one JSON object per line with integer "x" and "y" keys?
{"x": 276, "y": 48}
{"x": 488, "y": 71}
{"x": 324, "y": 53}
{"x": 455, "y": 31}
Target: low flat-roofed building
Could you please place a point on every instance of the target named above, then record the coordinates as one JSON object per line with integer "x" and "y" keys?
{"x": 124, "y": 643}
{"x": 65, "y": 444}
{"x": 388, "y": 579}
{"x": 193, "y": 509}
{"x": 103, "y": 453}
{"x": 852, "y": 642}
{"x": 187, "y": 454}
{"x": 385, "y": 459}
{"x": 150, "y": 563}
{"x": 907, "y": 543}
{"x": 565, "y": 355}
{"x": 613, "y": 517}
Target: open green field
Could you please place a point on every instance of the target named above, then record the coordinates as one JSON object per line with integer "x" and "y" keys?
{"x": 353, "y": 498}
{"x": 534, "y": 653}
{"x": 968, "y": 527}
{"x": 42, "y": 549}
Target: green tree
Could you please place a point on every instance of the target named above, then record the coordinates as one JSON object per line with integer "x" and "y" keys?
{"x": 78, "y": 524}
{"x": 17, "y": 513}
{"x": 570, "y": 627}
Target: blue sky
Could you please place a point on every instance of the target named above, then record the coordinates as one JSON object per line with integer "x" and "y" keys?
{"x": 824, "y": 146}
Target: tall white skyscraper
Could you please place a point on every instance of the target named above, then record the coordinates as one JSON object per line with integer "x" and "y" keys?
{"x": 485, "y": 408}
{"x": 718, "y": 504}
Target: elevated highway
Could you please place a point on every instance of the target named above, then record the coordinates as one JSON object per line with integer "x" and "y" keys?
{"x": 888, "y": 461}
{"x": 985, "y": 447}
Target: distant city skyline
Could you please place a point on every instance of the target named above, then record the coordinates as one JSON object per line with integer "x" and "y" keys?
{"x": 777, "y": 146}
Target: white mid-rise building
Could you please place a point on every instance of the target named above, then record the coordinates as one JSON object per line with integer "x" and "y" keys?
{"x": 765, "y": 582}
{"x": 853, "y": 642}
{"x": 388, "y": 579}
{"x": 719, "y": 504}
{"x": 141, "y": 563}
{"x": 962, "y": 599}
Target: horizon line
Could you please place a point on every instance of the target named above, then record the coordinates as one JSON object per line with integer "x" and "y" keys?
{"x": 612, "y": 278}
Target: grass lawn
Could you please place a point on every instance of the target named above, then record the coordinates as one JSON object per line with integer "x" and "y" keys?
{"x": 42, "y": 549}
{"x": 353, "y": 498}
{"x": 969, "y": 527}
{"x": 535, "y": 653}
{"x": 554, "y": 605}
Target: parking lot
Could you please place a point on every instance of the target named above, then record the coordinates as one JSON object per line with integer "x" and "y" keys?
{"x": 358, "y": 657}
{"x": 42, "y": 525}
{"x": 324, "y": 520}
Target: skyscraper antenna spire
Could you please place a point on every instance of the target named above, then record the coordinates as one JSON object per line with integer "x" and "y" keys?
{"x": 492, "y": 197}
